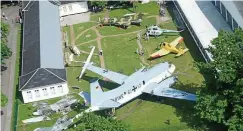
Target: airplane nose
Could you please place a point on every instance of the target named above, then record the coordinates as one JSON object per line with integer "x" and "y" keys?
{"x": 154, "y": 56}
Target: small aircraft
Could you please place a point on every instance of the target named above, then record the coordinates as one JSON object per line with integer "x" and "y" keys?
{"x": 156, "y": 81}
{"x": 157, "y": 31}
{"x": 167, "y": 48}
{"x": 62, "y": 105}
{"x": 60, "y": 125}
{"x": 124, "y": 22}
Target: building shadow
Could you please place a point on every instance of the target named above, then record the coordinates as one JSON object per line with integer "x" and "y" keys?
{"x": 109, "y": 85}
{"x": 188, "y": 40}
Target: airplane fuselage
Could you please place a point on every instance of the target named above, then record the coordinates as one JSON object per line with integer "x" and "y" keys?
{"x": 137, "y": 82}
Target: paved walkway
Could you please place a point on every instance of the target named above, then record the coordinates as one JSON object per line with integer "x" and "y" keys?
{"x": 72, "y": 35}
{"x": 7, "y": 84}
{"x": 99, "y": 37}
{"x": 141, "y": 49}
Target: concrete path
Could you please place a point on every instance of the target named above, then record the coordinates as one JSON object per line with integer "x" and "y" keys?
{"x": 141, "y": 49}
{"x": 72, "y": 35}
{"x": 99, "y": 37}
{"x": 7, "y": 84}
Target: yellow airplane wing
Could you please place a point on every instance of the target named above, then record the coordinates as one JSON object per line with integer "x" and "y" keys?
{"x": 160, "y": 53}
{"x": 176, "y": 41}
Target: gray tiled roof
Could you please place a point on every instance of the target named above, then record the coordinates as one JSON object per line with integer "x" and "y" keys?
{"x": 42, "y": 54}
{"x": 42, "y": 77}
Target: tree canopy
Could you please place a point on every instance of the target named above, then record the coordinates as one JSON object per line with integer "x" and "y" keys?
{"x": 90, "y": 121}
{"x": 221, "y": 100}
{"x": 98, "y": 3}
{"x": 4, "y": 100}
{"x": 5, "y": 51}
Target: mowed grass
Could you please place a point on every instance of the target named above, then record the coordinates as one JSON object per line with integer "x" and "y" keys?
{"x": 145, "y": 113}
{"x": 87, "y": 36}
{"x": 119, "y": 53}
{"x": 78, "y": 28}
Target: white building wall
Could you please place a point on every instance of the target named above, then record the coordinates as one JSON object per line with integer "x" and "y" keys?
{"x": 45, "y": 92}
{"x": 73, "y": 8}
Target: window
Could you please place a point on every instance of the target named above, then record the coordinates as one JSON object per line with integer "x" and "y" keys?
{"x": 52, "y": 90}
{"x": 70, "y": 8}
{"x": 223, "y": 9}
{"x": 37, "y": 93}
{"x": 235, "y": 25}
{"x": 60, "y": 88}
{"x": 64, "y": 9}
{"x": 229, "y": 17}
{"x": 45, "y": 92}
{"x": 218, "y": 4}
{"x": 29, "y": 94}
{"x": 220, "y": 7}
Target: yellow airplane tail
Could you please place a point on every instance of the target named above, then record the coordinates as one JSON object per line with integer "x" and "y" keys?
{"x": 181, "y": 52}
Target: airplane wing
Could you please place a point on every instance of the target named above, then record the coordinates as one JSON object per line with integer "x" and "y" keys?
{"x": 116, "y": 77}
{"x": 176, "y": 41}
{"x": 163, "y": 89}
{"x": 109, "y": 104}
{"x": 159, "y": 53}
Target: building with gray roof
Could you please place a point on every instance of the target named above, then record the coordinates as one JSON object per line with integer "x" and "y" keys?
{"x": 43, "y": 74}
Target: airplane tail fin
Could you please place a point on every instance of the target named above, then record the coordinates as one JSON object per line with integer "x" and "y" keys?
{"x": 87, "y": 62}
{"x": 182, "y": 51}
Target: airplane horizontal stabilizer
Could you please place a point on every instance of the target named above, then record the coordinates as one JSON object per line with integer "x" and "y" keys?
{"x": 182, "y": 52}
{"x": 163, "y": 89}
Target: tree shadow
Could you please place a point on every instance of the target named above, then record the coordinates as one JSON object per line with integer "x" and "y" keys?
{"x": 3, "y": 68}
{"x": 184, "y": 109}
{"x": 18, "y": 95}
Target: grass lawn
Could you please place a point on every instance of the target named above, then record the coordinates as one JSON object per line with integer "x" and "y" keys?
{"x": 87, "y": 36}
{"x": 86, "y": 46}
{"x": 145, "y": 113}
{"x": 119, "y": 54}
{"x": 78, "y": 28}
{"x": 17, "y": 96}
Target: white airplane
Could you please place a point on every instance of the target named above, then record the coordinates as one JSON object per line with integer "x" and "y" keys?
{"x": 157, "y": 31}
{"x": 156, "y": 81}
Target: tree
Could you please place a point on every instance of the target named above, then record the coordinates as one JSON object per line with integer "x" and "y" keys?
{"x": 98, "y": 3}
{"x": 221, "y": 100}
{"x": 90, "y": 121}
{"x": 4, "y": 100}
{"x": 5, "y": 51}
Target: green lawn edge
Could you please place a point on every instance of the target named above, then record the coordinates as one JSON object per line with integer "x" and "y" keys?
{"x": 16, "y": 79}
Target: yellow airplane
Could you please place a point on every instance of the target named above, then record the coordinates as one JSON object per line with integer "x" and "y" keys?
{"x": 167, "y": 48}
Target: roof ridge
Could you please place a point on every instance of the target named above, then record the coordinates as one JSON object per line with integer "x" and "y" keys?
{"x": 29, "y": 72}
{"x": 29, "y": 79}
{"x": 54, "y": 74}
